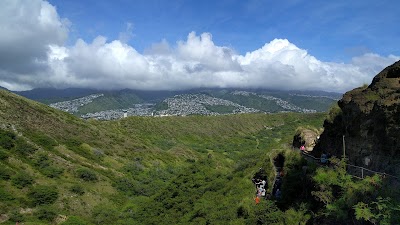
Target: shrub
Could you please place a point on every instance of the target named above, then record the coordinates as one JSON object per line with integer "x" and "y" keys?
{"x": 45, "y": 141}
{"x": 7, "y": 139}
{"x": 46, "y": 213}
{"x": 22, "y": 180}
{"x": 340, "y": 194}
{"x": 44, "y": 165}
{"x": 86, "y": 174}
{"x": 52, "y": 172}
{"x": 24, "y": 148}
{"x": 104, "y": 214}
{"x": 5, "y": 196}
{"x": 73, "y": 143}
{"x": 77, "y": 189}
{"x": 85, "y": 149}
{"x": 382, "y": 211}
{"x": 74, "y": 220}
{"x": 134, "y": 168}
{"x": 125, "y": 185}
{"x": 242, "y": 211}
{"x": 15, "y": 215}
{"x": 299, "y": 216}
{"x": 5, "y": 173}
{"x": 98, "y": 153}
{"x": 42, "y": 195}
{"x": 42, "y": 160}
{"x": 3, "y": 154}
{"x": 266, "y": 212}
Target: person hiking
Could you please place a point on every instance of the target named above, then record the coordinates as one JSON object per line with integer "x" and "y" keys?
{"x": 328, "y": 157}
{"x": 257, "y": 200}
{"x": 278, "y": 181}
{"x": 278, "y": 194}
{"x": 257, "y": 183}
{"x": 324, "y": 158}
{"x": 259, "y": 191}
{"x": 263, "y": 192}
{"x": 262, "y": 184}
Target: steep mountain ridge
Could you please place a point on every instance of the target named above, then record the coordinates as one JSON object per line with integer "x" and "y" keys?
{"x": 369, "y": 119}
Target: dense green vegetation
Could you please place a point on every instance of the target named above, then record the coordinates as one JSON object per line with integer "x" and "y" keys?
{"x": 161, "y": 106}
{"x": 251, "y": 101}
{"x": 56, "y": 168}
{"x": 318, "y": 103}
{"x": 222, "y": 109}
{"x": 119, "y": 100}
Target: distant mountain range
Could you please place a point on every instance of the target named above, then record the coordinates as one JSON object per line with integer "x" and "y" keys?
{"x": 90, "y": 103}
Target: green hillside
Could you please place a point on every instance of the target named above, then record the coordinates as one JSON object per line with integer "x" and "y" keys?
{"x": 58, "y": 169}
{"x": 251, "y": 101}
{"x": 108, "y": 105}
{"x": 110, "y": 101}
{"x": 319, "y": 103}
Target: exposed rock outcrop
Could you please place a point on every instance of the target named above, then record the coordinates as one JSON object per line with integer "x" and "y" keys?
{"x": 369, "y": 118}
{"x": 306, "y": 137}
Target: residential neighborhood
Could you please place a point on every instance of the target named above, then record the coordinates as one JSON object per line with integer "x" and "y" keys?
{"x": 196, "y": 104}
{"x": 73, "y": 105}
{"x": 178, "y": 105}
{"x": 136, "y": 110}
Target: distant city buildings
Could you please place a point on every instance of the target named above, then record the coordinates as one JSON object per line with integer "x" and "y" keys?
{"x": 191, "y": 104}
{"x": 73, "y": 105}
{"x": 179, "y": 105}
{"x": 136, "y": 110}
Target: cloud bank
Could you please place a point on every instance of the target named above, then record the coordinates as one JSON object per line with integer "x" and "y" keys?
{"x": 33, "y": 54}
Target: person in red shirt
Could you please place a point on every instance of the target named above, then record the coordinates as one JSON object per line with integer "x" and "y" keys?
{"x": 257, "y": 199}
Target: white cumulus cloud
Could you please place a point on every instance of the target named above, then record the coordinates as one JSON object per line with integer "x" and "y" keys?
{"x": 27, "y": 29}
{"x": 37, "y": 57}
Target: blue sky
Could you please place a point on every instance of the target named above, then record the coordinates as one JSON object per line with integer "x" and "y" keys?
{"x": 159, "y": 44}
{"x": 330, "y": 30}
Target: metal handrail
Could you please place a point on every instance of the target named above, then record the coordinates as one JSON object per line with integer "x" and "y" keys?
{"x": 359, "y": 167}
{"x": 372, "y": 171}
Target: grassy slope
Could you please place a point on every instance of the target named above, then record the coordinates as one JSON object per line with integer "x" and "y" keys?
{"x": 188, "y": 169}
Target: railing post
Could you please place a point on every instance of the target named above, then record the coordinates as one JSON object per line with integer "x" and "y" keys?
{"x": 344, "y": 148}
{"x": 344, "y": 155}
{"x": 362, "y": 172}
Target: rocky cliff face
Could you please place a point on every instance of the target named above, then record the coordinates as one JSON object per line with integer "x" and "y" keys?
{"x": 369, "y": 119}
{"x": 306, "y": 137}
